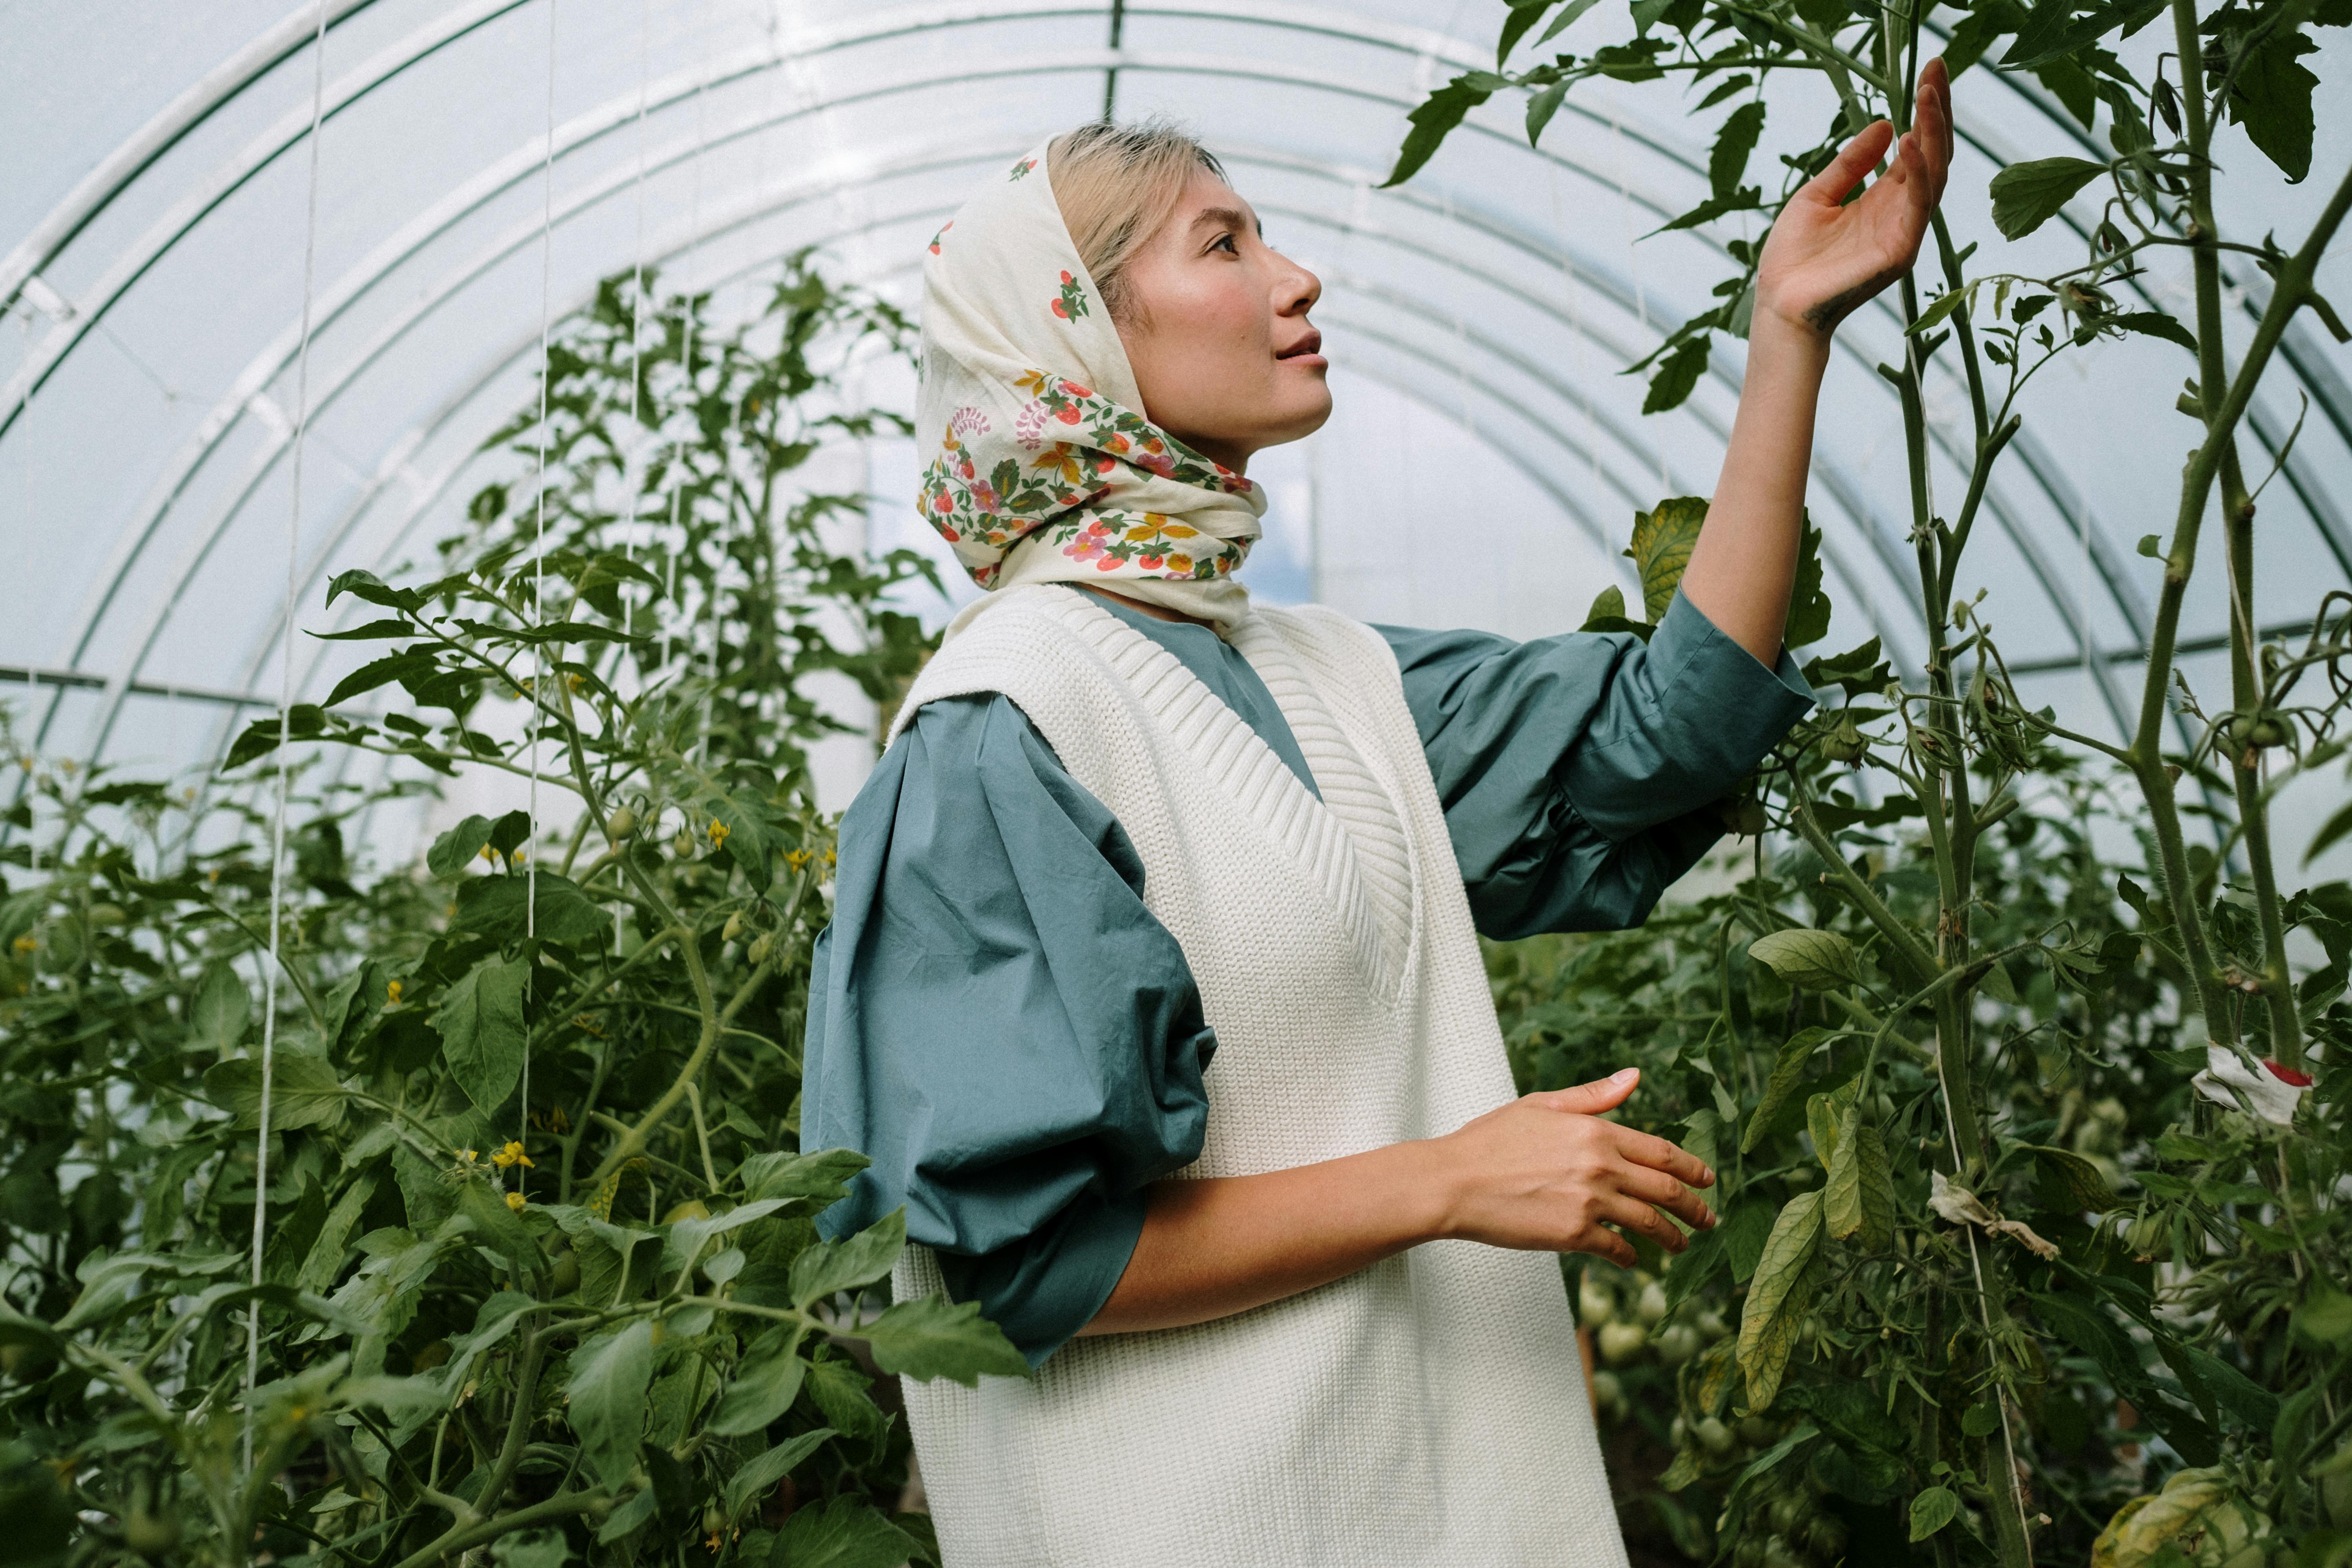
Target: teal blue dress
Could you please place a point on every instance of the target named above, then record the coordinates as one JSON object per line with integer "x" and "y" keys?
{"x": 998, "y": 1021}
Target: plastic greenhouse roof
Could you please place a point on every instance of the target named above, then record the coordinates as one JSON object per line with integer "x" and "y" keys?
{"x": 1482, "y": 469}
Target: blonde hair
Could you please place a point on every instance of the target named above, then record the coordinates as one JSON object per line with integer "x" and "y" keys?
{"x": 1115, "y": 185}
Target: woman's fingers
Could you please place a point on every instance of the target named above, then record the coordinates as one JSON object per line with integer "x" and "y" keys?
{"x": 1857, "y": 158}
{"x": 1658, "y": 1188}
{"x": 1632, "y": 1214}
{"x": 1603, "y": 1242}
{"x": 1645, "y": 1149}
{"x": 1599, "y": 1095}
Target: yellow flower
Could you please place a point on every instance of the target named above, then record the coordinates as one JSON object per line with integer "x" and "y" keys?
{"x": 511, "y": 1154}
{"x": 393, "y": 991}
{"x": 518, "y": 856}
{"x": 515, "y": 1201}
{"x": 26, "y": 943}
{"x": 718, "y": 831}
{"x": 490, "y": 853}
{"x": 796, "y": 858}
{"x": 468, "y": 1155}
{"x": 828, "y": 857}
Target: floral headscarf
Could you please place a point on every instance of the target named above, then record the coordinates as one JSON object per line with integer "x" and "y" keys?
{"x": 1046, "y": 471}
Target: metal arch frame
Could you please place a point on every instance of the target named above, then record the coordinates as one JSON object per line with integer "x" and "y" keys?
{"x": 1131, "y": 62}
{"x": 224, "y": 83}
{"x": 581, "y": 202}
{"x": 344, "y": 292}
{"x": 760, "y": 59}
{"x": 392, "y": 62}
{"x": 497, "y": 177}
{"x": 91, "y": 194}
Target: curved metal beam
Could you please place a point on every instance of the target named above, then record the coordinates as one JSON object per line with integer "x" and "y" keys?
{"x": 283, "y": 39}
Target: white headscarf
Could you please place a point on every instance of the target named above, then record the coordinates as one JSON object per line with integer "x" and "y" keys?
{"x": 1046, "y": 469}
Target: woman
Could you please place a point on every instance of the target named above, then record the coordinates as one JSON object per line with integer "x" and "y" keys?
{"x": 1153, "y": 987}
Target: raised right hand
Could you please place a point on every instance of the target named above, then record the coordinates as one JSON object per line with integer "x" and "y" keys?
{"x": 1546, "y": 1174}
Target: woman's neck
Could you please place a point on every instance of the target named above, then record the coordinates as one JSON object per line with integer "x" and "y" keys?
{"x": 1157, "y": 612}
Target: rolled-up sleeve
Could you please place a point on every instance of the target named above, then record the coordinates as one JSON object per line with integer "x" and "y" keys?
{"x": 997, "y": 1022}
{"x": 1578, "y": 771}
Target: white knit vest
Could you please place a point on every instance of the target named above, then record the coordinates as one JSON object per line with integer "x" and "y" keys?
{"x": 1428, "y": 1410}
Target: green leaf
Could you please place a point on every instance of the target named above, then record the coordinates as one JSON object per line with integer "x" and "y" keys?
{"x": 481, "y": 1022}
{"x": 2324, "y": 1316}
{"x": 1432, "y": 123}
{"x": 1609, "y": 605}
{"x": 1565, "y": 19}
{"x": 2154, "y": 324}
{"x": 1932, "y": 1509}
{"x": 1788, "y": 1071}
{"x": 1777, "y": 1297}
{"x": 2333, "y": 830}
{"x": 1674, "y": 380}
{"x": 1746, "y": 198}
{"x": 493, "y": 907}
{"x": 1809, "y": 606}
{"x": 1809, "y": 959}
{"x": 2085, "y": 1188}
{"x": 1746, "y": 1227}
{"x": 822, "y": 1176}
{"x": 846, "y": 1265}
{"x": 453, "y": 851}
{"x": 220, "y": 1011}
{"x": 2272, "y": 99}
{"x": 1733, "y": 146}
{"x": 610, "y": 1374}
{"x": 1542, "y": 106}
{"x": 932, "y": 1336}
{"x": 1859, "y": 1198}
{"x": 2027, "y": 196}
{"x": 1825, "y": 1119}
{"x": 758, "y": 1475}
{"x": 1523, "y": 15}
{"x": 532, "y": 1549}
{"x": 303, "y": 1090}
{"x": 374, "y": 631}
{"x": 846, "y": 1533}
{"x": 404, "y": 667}
{"x": 766, "y": 1381}
{"x": 303, "y": 722}
{"x": 1661, "y": 549}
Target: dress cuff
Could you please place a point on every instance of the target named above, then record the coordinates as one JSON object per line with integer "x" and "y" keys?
{"x": 1042, "y": 1289}
{"x": 1689, "y": 645}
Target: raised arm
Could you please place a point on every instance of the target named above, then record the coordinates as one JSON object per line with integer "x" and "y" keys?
{"x": 1821, "y": 261}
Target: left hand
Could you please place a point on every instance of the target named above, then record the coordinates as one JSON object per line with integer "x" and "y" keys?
{"x": 1823, "y": 259}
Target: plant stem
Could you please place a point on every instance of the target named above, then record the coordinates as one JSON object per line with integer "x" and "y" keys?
{"x": 563, "y": 1505}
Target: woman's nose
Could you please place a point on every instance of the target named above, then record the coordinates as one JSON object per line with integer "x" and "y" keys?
{"x": 1304, "y": 290}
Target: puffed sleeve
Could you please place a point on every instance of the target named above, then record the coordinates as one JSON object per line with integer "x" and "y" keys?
{"x": 1578, "y": 771}
{"x": 998, "y": 1022}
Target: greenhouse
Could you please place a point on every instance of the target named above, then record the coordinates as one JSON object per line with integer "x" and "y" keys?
{"x": 483, "y": 508}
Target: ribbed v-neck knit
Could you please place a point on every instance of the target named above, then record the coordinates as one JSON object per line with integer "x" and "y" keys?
{"x": 1428, "y": 1409}
{"x": 979, "y": 881}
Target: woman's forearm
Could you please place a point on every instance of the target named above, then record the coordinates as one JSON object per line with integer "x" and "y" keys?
{"x": 1744, "y": 562}
{"x": 1225, "y": 1244}
{"x": 1545, "y": 1172}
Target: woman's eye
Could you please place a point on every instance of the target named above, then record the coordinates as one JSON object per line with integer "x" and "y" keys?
{"x": 1227, "y": 240}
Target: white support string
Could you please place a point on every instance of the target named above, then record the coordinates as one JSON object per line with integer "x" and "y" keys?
{"x": 1634, "y": 264}
{"x": 538, "y": 574}
{"x": 285, "y": 727}
{"x": 1573, "y": 294}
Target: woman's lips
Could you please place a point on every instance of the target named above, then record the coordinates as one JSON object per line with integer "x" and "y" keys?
{"x": 1303, "y": 350}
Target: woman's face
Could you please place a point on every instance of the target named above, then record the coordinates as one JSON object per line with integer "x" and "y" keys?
{"x": 1220, "y": 346}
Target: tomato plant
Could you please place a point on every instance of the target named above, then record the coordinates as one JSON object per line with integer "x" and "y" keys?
{"x": 2034, "y": 1241}
{"x": 522, "y": 1265}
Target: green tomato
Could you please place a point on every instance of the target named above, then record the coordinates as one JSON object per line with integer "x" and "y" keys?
{"x": 565, "y": 1277}
{"x": 1620, "y": 1342}
{"x": 1713, "y": 1435}
{"x": 1651, "y": 1307}
{"x": 1790, "y": 1512}
{"x": 1677, "y": 1344}
{"x": 152, "y": 1534}
{"x": 1826, "y": 1537}
{"x": 1596, "y": 1304}
{"x": 1756, "y": 1431}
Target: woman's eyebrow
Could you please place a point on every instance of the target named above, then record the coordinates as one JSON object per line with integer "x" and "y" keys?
{"x": 1229, "y": 217}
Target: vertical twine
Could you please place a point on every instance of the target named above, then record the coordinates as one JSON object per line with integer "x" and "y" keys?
{"x": 285, "y": 727}
{"x": 538, "y": 579}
